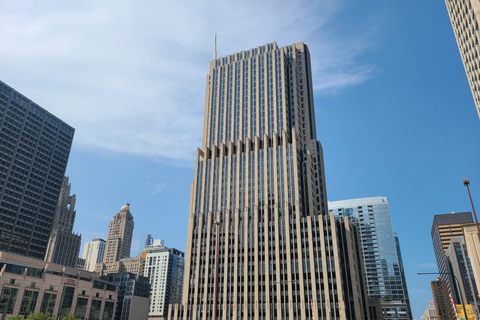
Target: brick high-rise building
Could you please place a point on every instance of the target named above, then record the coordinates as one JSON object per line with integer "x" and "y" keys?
{"x": 258, "y": 202}
{"x": 34, "y": 150}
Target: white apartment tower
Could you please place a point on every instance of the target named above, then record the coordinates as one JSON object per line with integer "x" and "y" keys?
{"x": 164, "y": 267}
{"x": 261, "y": 244}
{"x": 93, "y": 253}
{"x": 465, "y": 18}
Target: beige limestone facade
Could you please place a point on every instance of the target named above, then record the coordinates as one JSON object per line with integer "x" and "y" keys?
{"x": 472, "y": 242}
{"x": 117, "y": 248}
{"x": 465, "y": 19}
{"x": 29, "y": 285}
{"x": 258, "y": 201}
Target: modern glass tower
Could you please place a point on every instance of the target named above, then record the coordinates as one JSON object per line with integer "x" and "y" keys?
{"x": 34, "y": 150}
{"x": 261, "y": 244}
{"x": 384, "y": 275}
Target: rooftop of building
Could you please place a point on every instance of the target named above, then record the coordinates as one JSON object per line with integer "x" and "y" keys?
{"x": 349, "y": 203}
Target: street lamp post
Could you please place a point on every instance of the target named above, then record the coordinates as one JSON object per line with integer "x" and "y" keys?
{"x": 466, "y": 183}
{"x": 217, "y": 241}
{"x": 458, "y": 285}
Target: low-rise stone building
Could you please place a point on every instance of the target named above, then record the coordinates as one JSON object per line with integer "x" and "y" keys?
{"x": 29, "y": 285}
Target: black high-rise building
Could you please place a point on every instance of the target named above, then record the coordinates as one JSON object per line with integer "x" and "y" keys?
{"x": 34, "y": 150}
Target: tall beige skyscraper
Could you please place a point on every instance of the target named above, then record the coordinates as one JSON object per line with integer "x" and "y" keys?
{"x": 119, "y": 239}
{"x": 465, "y": 18}
{"x": 261, "y": 244}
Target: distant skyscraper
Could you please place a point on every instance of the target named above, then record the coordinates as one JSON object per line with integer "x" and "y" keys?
{"x": 460, "y": 266}
{"x": 443, "y": 304}
{"x": 34, "y": 151}
{"x": 120, "y": 234}
{"x": 93, "y": 253}
{"x": 146, "y": 239}
{"x": 164, "y": 267}
{"x": 64, "y": 245}
{"x": 444, "y": 227}
{"x": 430, "y": 312}
{"x": 385, "y": 278}
{"x": 258, "y": 200}
{"x": 117, "y": 250}
{"x": 465, "y": 19}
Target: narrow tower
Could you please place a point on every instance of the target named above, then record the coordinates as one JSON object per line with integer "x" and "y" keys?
{"x": 119, "y": 239}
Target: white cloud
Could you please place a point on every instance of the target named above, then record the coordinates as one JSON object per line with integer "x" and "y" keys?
{"x": 428, "y": 265}
{"x": 130, "y": 76}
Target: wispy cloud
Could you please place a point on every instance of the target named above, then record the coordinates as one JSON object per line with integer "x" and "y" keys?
{"x": 130, "y": 78}
{"x": 428, "y": 265}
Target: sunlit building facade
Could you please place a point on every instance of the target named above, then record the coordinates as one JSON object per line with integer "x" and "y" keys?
{"x": 258, "y": 200}
{"x": 444, "y": 228}
{"x": 465, "y": 18}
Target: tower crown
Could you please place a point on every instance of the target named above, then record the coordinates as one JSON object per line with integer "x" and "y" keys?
{"x": 125, "y": 208}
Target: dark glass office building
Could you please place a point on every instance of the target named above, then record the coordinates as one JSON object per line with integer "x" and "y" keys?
{"x": 34, "y": 150}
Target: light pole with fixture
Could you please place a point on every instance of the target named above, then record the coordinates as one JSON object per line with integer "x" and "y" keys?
{"x": 466, "y": 183}
{"x": 458, "y": 285}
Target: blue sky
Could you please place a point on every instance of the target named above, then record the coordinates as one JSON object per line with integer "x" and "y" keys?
{"x": 393, "y": 108}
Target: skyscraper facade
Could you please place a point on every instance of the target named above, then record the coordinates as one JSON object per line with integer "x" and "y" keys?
{"x": 261, "y": 244}
{"x": 117, "y": 248}
{"x": 444, "y": 227}
{"x": 146, "y": 239}
{"x": 385, "y": 278}
{"x": 460, "y": 266}
{"x": 64, "y": 245}
{"x": 465, "y": 19}
{"x": 35, "y": 146}
{"x": 165, "y": 268}
{"x": 120, "y": 233}
{"x": 93, "y": 253}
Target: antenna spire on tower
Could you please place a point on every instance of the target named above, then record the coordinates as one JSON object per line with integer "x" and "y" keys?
{"x": 215, "y": 48}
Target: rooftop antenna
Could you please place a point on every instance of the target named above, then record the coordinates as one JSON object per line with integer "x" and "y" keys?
{"x": 215, "y": 48}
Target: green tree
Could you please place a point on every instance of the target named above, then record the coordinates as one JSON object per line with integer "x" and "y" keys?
{"x": 39, "y": 316}
{"x": 16, "y": 318}
{"x": 69, "y": 317}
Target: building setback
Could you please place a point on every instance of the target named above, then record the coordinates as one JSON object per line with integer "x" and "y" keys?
{"x": 465, "y": 18}
{"x": 34, "y": 150}
{"x": 64, "y": 245}
{"x": 382, "y": 260}
{"x": 258, "y": 202}
{"x": 30, "y": 286}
